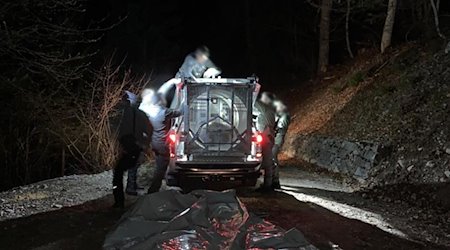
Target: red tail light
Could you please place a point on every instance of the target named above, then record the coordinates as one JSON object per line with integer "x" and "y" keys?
{"x": 257, "y": 138}
{"x": 172, "y": 137}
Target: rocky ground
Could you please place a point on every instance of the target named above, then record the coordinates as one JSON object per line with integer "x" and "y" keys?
{"x": 74, "y": 212}
{"x": 53, "y": 194}
{"x": 61, "y": 192}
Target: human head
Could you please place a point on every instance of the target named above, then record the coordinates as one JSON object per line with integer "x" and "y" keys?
{"x": 131, "y": 98}
{"x": 202, "y": 54}
{"x": 280, "y": 107}
{"x": 147, "y": 95}
{"x": 125, "y": 99}
{"x": 267, "y": 98}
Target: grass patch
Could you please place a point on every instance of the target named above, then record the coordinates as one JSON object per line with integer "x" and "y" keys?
{"x": 356, "y": 79}
{"x": 353, "y": 81}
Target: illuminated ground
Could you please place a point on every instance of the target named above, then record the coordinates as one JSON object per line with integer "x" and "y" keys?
{"x": 84, "y": 226}
{"x": 323, "y": 208}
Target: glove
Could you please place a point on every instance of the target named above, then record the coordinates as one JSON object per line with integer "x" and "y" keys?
{"x": 211, "y": 73}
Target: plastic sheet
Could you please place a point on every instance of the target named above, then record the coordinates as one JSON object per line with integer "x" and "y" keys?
{"x": 170, "y": 220}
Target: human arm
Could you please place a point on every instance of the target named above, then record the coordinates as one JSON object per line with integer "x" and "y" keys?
{"x": 211, "y": 70}
{"x": 186, "y": 68}
{"x": 172, "y": 113}
{"x": 145, "y": 128}
{"x": 167, "y": 86}
{"x": 284, "y": 121}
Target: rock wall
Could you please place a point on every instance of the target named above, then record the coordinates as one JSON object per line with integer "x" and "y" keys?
{"x": 352, "y": 158}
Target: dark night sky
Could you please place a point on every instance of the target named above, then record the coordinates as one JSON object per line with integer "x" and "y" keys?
{"x": 277, "y": 40}
{"x": 243, "y": 37}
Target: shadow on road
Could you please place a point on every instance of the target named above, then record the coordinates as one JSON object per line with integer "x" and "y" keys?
{"x": 79, "y": 227}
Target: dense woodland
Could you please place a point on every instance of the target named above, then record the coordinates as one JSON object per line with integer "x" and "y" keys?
{"x": 65, "y": 63}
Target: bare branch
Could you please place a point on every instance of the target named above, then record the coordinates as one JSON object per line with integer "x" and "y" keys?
{"x": 435, "y": 7}
{"x": 347, "y": 31}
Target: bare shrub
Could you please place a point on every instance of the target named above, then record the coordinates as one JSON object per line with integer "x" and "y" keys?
{"x": 93, "y": 142}
{"x": 28, "y": 152}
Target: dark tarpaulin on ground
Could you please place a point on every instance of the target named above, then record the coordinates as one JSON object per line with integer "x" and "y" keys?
{"x": 198, "y": 220}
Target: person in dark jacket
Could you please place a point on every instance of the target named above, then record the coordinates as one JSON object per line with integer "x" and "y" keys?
{"x": 283, "y": 119}
{"x": 160, "y": 117}
{"x": 134, "y": 135}
{"x": 265, "y": 123}
{"x": 197, "y": 64}
{"x": 132, "y": 187}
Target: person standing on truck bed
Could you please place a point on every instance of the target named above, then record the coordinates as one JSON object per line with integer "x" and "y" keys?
{"x": 265, "y": 124}
{"x": 283, "y": 119}
{"x": 197, "y": 64}
{"x": 134, "y": 136}
{"x": 160, "y": 117}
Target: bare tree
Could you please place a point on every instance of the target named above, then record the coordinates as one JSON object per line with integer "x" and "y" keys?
{"x": 388, "y": 25}
{"x": 39, "y": 37}
{"x": 347, "y": 29}
{"x": 45, "y": 59}
{"x": 324, "y": 40}
{"x": 435, "y": 7}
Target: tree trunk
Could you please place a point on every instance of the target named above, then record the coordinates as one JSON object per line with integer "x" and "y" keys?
{"x": 324, "y": 40}
{"x": 388, "y": 25}
{"x": 347, "y": 29}
{"x": 435, "y": 7}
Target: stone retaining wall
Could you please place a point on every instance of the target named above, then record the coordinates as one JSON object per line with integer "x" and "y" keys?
{"x": 353, "y": 158}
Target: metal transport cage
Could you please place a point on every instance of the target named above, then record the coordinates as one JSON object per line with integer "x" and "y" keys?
{"x": 215, "y": 137}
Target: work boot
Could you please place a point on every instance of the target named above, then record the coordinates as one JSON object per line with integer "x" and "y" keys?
{"x": 156, "y": 183}
{"x": 276, "y": 185}
{"x": 131, "y": 191}
{"x": 131, "y": 188}
{"x": 264, "y": 189}
{"x": 120, "y": 205}
{"x": 119, "y": 199}
{"x": 153, "y": 189}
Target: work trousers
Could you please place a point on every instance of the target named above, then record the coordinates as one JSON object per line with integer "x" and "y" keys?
{"x": 267, "y": 160}
{"x": 276, "y": 172}
{"x": 127, "y": 161}
{"x": 162, "y": 159}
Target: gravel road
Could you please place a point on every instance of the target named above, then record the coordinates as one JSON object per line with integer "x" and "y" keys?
{"x": 74, "y": 212}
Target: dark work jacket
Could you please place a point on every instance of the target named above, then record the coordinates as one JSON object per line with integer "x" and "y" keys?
{"x": 265, "y": 121}
{"x": 283, "y": 121}
{"x": 192, "y": 68}
{"x": 134, "y": 128}
{"x": 160, "y": 117}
